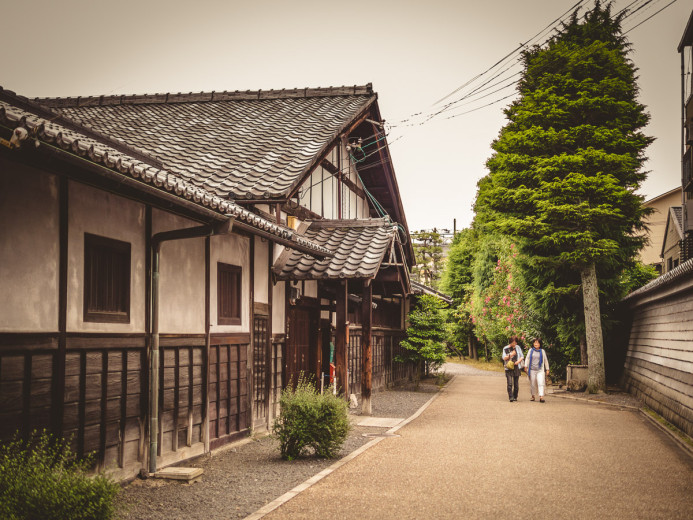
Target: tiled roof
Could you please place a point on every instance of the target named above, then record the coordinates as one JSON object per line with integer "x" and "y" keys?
{"x": 244, "y": 145}
{"x": 40, "y": 130}
{"x": 359, "y": 248}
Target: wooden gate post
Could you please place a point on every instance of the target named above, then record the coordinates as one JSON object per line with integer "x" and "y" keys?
{"x": 366, "y": 345}
{"x": 340, "y": 350}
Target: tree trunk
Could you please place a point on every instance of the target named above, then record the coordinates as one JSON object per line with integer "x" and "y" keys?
{"x": 583, "y": 351}
{"x": 596, "y": 375}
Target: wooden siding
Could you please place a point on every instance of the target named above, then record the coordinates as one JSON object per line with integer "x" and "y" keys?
{"x": 276, "y": 383}
{"x": 386, "y": 371}
{"x": 102, "y": 406}
{"x": 228, "y": 388}
{"x": 181, "y": 394}
{"x": 659, "y": 360}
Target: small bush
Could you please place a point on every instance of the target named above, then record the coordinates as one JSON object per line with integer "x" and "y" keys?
{"x": 308, "y": 419}
{"x": 41, "y": 478}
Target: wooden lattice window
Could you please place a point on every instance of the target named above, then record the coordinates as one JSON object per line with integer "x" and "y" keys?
{"x": 106, "y": 280}
{"x": 228, "y": 294}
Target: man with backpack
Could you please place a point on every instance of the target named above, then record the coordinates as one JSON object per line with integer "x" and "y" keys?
{"x": 512, "y": 360}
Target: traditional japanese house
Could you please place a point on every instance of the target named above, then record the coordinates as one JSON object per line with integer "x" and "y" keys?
{"x": 169, "y": 262}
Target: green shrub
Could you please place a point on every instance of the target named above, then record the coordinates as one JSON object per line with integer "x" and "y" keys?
{"x": 308, "y": 419}
{"x": 41, "y": 478}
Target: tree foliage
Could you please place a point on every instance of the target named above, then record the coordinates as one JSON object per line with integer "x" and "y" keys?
{"x": 566, "y": 166}
{"x": 429, "y": 257}
{"x": 562, "y": 184}
{"x": 426, "y": 333}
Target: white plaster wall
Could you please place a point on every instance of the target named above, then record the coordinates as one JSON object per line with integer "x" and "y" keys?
{"x": 235, "y": 250}
{"x": 100, "y": 213}
{"x": 311, "y": 288}
{"x": 261, "y": 270}
{"x": 279, "y": 308}
{"x": 278, "y": 299}
{"x": 29, "y": 250}
{"x": 181, "y": 278}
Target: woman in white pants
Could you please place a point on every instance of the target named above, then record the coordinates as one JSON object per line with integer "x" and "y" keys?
{"x": 537, "y": 366}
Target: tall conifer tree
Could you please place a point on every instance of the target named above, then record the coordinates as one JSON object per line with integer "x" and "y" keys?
{"x": 567, "y": 164}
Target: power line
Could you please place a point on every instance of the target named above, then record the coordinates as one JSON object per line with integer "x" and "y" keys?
{"x": 514, "y": 51}
{"x": 651, "y": 16}
{"x": 624, "y": 14}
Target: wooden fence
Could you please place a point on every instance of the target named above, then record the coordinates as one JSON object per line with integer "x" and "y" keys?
{"x": 659, "y": 358}
{"x": 385, "y": 347}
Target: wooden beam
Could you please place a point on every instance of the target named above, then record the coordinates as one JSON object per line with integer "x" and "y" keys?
{"x": 341, "y": 333}
{"x": 331, "y": 168}
{"x": 389, "y": 275}
{"x": 366, "y": 346}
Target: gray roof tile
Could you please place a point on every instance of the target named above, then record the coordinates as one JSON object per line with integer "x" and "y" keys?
{"x": 248, "y": 145}
{"x": 101, "y": 152}
{"x": 359, "y": 247}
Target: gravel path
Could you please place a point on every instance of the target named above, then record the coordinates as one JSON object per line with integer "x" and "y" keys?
{"x": 239, "y": 480}
{"x": 471, "y": 454}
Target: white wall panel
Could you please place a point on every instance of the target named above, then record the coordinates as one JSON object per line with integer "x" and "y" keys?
{"x": 235, "y": 250}
{"x": 101, "y": 213}
{"x": 261, "y": 270}
{"x": 29, "y": 250}
{"x": 182, "y": 278}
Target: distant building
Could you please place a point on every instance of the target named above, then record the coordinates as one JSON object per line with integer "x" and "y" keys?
{"x": 651, "y": 253}
{"x": 685, "y": 49}
{"x": 673, "y": 238}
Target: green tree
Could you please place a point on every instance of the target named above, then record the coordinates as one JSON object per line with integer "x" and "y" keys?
{"x": 429, "y": 257}
{"x": 566, "y": 166}
{"x": 456, "y": 281}
{"x": 496, "y": 303}
{"x": 425, "y": 335}
{"x": 457, "y": 274}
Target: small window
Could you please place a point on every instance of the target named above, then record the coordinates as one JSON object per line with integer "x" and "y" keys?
{"x": 228, "y": 294}
{"x": 106, "y": 280}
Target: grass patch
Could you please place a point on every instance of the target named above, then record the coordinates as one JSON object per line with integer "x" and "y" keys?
{"x": 494, "y": 365}
{"x": 661, "y": 420}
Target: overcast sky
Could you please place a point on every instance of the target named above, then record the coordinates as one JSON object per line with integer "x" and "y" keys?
{"x": 414, "y": 52}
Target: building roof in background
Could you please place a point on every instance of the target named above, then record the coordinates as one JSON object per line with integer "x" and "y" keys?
{"x": 419, "y": 288}
{"x": 663, "y": 195}
{"x": 243, "y": 145}
{"x": 359, "y": 249}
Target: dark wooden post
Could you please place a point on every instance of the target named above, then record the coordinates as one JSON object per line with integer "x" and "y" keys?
{"x": 340, "y": 350}
{"x": 366, "y": 345}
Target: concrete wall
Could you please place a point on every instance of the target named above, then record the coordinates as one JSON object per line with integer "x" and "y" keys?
{"x": 659, "y": 359}
{"x": 101, "y": 213}
{"x": 29, "y": 249}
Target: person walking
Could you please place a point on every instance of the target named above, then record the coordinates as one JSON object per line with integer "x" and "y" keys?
{"x": 512, "y": 359}
{"x": 537, "y": 367}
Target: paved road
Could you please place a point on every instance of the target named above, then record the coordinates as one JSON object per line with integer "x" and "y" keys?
{"x": 472, "y": 454}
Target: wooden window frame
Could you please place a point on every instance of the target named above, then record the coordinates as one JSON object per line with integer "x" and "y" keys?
{"x": 119, "y": 249}
{"x": 229, "y": 318}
